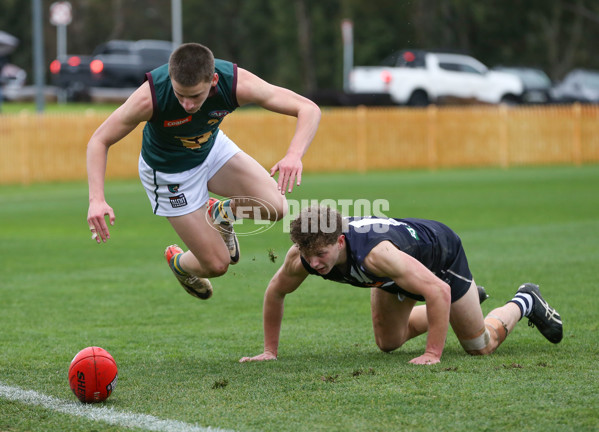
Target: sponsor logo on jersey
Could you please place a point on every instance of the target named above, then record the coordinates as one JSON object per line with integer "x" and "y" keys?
{"x": 219, "y": 113}
{"x": 178, "y": 201}
{"x": 178, "y": 122}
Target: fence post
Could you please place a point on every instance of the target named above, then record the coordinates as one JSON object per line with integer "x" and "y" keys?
{"x": 431, "y": 112}
{"x": 361, "y": 139}
{"x": 24, "y": 147}
{"x": 504, "y": 151}
{"x": 576, "y": 139}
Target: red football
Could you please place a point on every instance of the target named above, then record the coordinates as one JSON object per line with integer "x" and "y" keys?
{"x": 93, "y": 375}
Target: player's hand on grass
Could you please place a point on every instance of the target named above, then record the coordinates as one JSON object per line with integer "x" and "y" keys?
{"x": 426, "y": 359}
{"x": 290, "y": 171}
{"x": 96, "y": 220}
{"x": 262, "y": 357}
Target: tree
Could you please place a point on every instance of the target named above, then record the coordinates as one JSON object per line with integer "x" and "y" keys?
{"x": 298, "y": 44}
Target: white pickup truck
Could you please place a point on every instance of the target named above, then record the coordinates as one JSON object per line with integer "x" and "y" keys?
{"x": 419, "y": 78}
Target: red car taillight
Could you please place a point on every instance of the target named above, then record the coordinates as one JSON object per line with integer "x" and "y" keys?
{"x": 96, "y": 66}
{"x": 74, "y": 61}
{"x": 386, "y": 77}
{"x": 55, "y": 67}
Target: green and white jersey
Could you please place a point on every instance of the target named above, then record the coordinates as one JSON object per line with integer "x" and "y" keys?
{"x": 176, "y": 141}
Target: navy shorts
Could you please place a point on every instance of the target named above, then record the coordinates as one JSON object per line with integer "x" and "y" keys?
{"x": 451, "y": 265}
{"x": 456, "y": 272}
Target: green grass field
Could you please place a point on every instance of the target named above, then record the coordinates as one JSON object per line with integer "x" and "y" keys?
{"x": 178, "y": 356}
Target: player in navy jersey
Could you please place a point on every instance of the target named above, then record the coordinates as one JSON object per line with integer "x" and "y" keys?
{"x": 403, "y": 261}
{"x": 185, "y": 156}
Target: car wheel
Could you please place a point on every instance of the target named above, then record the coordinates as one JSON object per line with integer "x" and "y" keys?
{"x": 419, "y": 98}
{"x": 509, "y": 99}
{"x": 77, "y": 92}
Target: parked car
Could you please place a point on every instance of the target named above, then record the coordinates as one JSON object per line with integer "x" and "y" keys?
{"x": 117, "y": 64}
{"x": 537, "y": 85}
{"x": 579, "y": 85}
{"x": 417, "y": 78}
{"x": 12, "y": 79}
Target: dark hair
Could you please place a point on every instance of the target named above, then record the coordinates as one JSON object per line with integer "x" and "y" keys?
{"x": 315, "y": 228}
{"x": 191, "y": 64}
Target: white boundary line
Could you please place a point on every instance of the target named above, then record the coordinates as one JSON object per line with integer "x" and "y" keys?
{"x": 100, "y": 413}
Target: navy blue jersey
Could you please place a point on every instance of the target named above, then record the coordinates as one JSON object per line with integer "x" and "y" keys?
{"x": 432, "y": 243}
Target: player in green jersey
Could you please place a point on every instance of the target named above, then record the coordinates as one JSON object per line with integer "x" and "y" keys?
{"x": 185, "y": 155}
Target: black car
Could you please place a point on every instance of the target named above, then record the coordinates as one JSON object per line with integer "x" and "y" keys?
{"x": 116, "y": 64}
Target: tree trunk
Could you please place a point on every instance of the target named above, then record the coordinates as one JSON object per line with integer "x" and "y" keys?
{"x": 305, "y": 47}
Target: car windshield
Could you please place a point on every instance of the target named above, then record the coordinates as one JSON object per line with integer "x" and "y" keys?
{"x": 533, "y": 78}
{"x": 406, "y": 58}
{"x": 530, "y": 77}
{"x": 590, "y": 79}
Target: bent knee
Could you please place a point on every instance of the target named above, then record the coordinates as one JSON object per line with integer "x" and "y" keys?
{"x": 485, "y": 351}
{"x": 214, "y": 268}
{"x": 385, "y": 347}
{"x": 388, "y": 344}
{"x": 480, "y": 345}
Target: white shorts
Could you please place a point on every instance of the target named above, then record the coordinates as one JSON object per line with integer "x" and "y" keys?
{"x": 177, "y": 194}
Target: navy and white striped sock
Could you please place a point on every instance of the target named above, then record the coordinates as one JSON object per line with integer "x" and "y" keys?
{"x": 524, "y": 302}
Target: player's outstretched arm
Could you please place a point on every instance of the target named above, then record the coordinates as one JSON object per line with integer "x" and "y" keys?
{"x": 286, "y": 280}
{"x": 252, "y": 89}
{"x": 119, "y": 124}
{"x": 407, "y": 272}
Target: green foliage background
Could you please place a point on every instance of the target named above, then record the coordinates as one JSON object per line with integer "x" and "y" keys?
{"x": 263, "y": 35}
